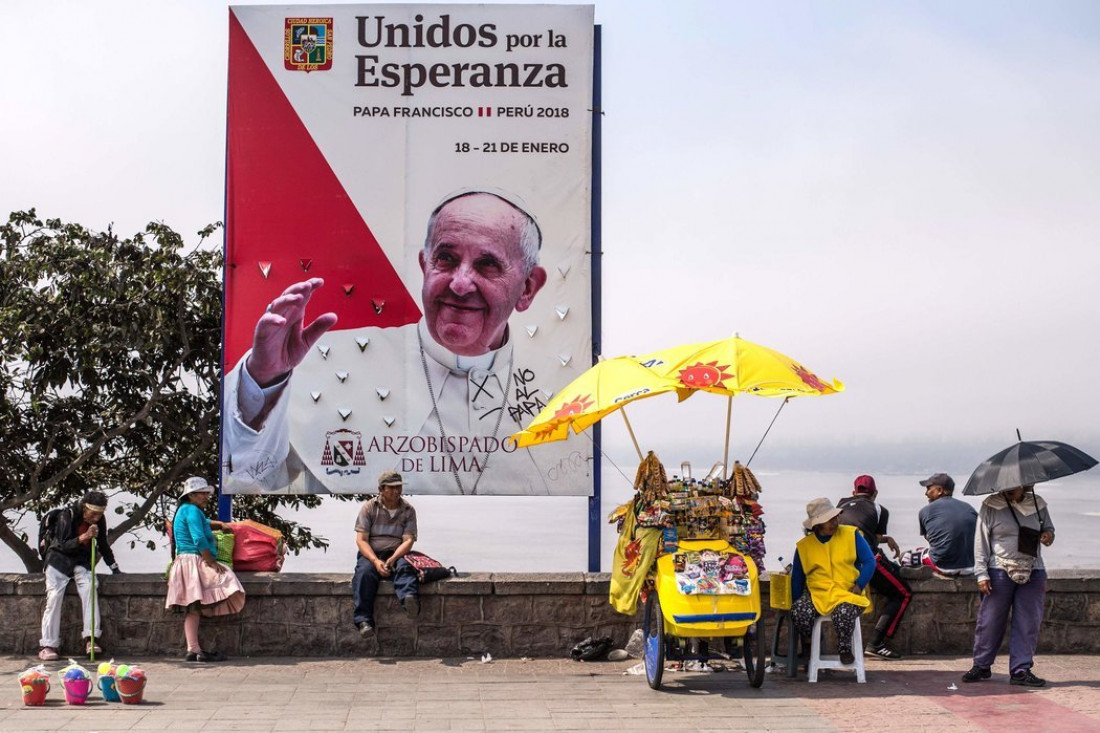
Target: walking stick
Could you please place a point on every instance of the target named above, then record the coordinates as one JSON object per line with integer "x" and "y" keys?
{"x": 91, "y": 639}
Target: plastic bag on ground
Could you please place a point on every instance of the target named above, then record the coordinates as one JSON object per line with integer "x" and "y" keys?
{"x": 636, "y": 646}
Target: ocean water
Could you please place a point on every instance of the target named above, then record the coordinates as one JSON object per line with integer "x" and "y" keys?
{"x": 546, "y": 534}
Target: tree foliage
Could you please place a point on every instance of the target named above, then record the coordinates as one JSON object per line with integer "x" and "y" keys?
{"x": 110, "y": 361}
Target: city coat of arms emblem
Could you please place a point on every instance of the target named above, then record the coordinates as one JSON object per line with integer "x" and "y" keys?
{"x": 307, "y": 44}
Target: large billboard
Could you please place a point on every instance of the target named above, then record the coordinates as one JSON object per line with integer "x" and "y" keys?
{"x": 408, "y": 230}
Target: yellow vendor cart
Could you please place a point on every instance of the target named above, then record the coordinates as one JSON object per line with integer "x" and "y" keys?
{"x": 704, "y": 590}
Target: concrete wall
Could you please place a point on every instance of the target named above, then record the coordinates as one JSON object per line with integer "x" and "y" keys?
{"x": 505, "y": 614}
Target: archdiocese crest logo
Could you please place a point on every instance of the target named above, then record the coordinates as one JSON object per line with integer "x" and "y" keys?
{"x": 307, "y": 44}
{"x": 343, "y": 452}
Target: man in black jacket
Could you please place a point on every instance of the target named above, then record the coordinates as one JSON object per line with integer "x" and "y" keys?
{"x": 69, "y": 556}
{"x": 862, "y": 512}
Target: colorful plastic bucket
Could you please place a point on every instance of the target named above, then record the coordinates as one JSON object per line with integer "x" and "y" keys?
{"x": 35, "y": 688}
{"x": 77, "y": 690}
{"x": 108, "y": 688}
{"x": 131, "y": 689}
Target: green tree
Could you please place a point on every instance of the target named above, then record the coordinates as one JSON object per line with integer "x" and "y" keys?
{"x": 110, "y": 354}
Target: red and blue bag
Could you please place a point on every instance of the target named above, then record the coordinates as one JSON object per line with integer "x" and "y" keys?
{"x": 428, "y": 569}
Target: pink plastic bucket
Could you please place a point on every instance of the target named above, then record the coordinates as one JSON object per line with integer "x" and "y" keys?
{"x": 77, "y": 691}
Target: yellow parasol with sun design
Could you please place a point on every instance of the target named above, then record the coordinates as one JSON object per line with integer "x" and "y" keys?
{"x": 603, "y": 389}
{"x": 727, "y": 367}
{"x": 735, "y": 366}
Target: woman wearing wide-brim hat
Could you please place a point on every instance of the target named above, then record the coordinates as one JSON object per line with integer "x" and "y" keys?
{"x": 198, "y": 585}
{"x": 832, "y": 565}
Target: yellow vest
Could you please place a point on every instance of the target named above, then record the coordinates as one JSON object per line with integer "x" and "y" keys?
{"x": 831, "y": 569}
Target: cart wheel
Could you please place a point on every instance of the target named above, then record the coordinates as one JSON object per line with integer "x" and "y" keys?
{"x": 755, "y": 667}
{"x": 654, "y": 641}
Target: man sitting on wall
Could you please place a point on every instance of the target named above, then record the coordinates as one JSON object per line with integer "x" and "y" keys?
{"x": 861, "y": 511}
{"x": 948, "y": 525}
{"x": 384, "y": 532}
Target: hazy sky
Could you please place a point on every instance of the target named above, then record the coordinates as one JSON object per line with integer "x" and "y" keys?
{"x": 905, "y": 196}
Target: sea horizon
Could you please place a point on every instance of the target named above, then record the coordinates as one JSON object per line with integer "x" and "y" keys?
{"x": 550, "y": 534}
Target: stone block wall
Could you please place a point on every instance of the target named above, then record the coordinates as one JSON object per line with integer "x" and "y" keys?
{"x": 504, "y": 614}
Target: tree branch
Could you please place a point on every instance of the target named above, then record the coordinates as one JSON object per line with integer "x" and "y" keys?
{"x": 137, "y": 516}
{"x": 26, "y": 553}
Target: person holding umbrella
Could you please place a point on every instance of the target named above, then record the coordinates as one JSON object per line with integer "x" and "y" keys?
{"x": 1009, "y": 566}
{"x": 1013, "y": 524}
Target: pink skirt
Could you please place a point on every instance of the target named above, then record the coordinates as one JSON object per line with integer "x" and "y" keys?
{"x": 192, "y": 586}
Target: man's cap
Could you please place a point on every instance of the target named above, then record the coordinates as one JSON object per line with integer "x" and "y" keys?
{"x": 819, "y": 511}
{"x": 865, "y": 484}
{"x": 940, "y": 479}
{"x": 195, "y": 485}
{"x": 390, "y": 478}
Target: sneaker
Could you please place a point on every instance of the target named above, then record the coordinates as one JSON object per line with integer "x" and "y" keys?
{"x": 847, "y": 658}
{"x": 1025, "y": 678}
{"x": 47, "y": 654}
{"x": 366, "y": 628}
{"x": 882, "y": 651}
{"x": 412, "y": 606}
{"x": 977, "y": 673}
{"x": 89, "y": 648}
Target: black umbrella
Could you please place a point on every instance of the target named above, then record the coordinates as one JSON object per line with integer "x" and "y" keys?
{"x": 1027, "y": 463}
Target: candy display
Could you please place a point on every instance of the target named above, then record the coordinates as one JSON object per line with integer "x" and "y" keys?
{"x": 35, "y": 683}
{"x": 711, "y": 573}
{"x": 710, "y": 508}
{"x": 77, "y": 683}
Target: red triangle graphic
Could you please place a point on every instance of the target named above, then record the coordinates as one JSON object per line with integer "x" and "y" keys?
{"x": 285, "y": 205}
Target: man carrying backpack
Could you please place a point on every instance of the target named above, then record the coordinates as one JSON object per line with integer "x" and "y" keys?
{"x": 860, "y": 510}
{"x": 68, "y": 548}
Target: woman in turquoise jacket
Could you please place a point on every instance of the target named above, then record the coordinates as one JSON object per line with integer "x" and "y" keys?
{"x": 198, "y": 585}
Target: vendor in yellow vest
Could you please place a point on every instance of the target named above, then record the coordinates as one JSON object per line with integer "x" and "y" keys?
{"x": 832, "y": 566}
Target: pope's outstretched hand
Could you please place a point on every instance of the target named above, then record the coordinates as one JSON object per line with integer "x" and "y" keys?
{"x": 281, "y": 341}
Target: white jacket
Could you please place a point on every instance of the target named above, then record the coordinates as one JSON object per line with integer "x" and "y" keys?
{"x": 352, "y": 409}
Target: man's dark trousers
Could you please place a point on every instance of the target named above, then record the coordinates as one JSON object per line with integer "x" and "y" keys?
{"x": 364, "y": 584}
{"x": 897, "y": 594}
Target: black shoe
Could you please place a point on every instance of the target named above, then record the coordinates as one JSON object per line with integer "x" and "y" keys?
{"x": 1025, "y": 678}
{"x": 366, "y": 628}
{"x": 412, "y": 606}
{"x": 882, "y": 651}
{"x": 976, "y": 674}
{"x": 204, "y": 657}
{"x": 847, "y": 657}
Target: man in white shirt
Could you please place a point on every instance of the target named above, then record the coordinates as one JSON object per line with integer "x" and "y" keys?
{"x": 480, "y": 264}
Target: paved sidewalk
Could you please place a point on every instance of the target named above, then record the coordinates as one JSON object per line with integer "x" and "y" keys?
{"x": 266, "y": 694}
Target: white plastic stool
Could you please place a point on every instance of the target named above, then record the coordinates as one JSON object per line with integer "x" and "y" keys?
{"x": 819, "y": 661}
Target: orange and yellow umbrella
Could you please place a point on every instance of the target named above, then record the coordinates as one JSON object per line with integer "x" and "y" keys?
{"x": 728, "y": 367}
{"x": 735, "y": 366}
{"x": 603, "y": 389}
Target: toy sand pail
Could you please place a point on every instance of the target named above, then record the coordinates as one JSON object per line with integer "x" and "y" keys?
{"x": 108, "y": 688}
{"x": 35, "y": 688}
{"x": 130, "y": 689}
{"x": 77, "y": 690}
